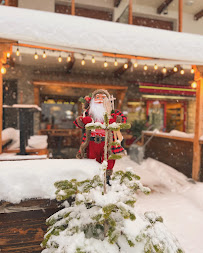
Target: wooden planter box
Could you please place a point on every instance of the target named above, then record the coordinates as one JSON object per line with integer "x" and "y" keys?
{"x": 176, "y": 152}
{"x": 22, "y": 226}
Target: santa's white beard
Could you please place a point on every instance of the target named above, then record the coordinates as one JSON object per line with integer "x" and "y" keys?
{"x": 97, "y": 111}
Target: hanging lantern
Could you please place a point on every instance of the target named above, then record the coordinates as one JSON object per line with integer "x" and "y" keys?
{"x": 36, "y": 56}
{"x": 175, "y": 69}
{"x": 83, "y": 62}
{"x": 182, "y": 72}
{"x": 125, "y": 66}
{"x": 17, "y": 52}
{"x": 59, "y": 58}
{"x": 155, "y": 66}
{"x": 3, "y": 70}
{"x": 194, "y": 85}
{"x": 115, "y": 63}
{"x": 93, "y": 59}
{"x": 44, "y": 55}
{"x": 105, "y": 64}
{"x": 135, "y": 65}
{"x": 164, "y": 70}
{"x": 68, "y": 58}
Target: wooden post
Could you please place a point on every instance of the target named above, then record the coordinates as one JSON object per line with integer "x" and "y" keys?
{"x": 36, "y": 96}
{"x": 130, "y": 12}
{"x": 180, "y": 16}
{"x": 120, "y": 97}
{"x": 1, "y": 106}
{"x": 73, "y": 7}
{"x": 198, "y": 125}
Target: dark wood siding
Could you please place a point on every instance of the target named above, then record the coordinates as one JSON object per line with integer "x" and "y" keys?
{"x": 84, "y": 12}
{"x": 23, "y": 231}
{"x": 154, "y": 23}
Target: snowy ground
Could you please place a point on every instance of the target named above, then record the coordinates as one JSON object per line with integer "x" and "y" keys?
{"x": 177, "y": 200}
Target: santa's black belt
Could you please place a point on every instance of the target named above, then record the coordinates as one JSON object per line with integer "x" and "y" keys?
{"x": 97, "y": 139}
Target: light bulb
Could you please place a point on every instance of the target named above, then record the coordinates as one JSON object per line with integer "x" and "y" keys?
{"x": 192, "y": 71}
{"x": 155, "y": 66}
{"x": 68, "y": 58}
{"x": 194, "y": 85}
{"x": 182, "y": 72}
{"x": 164, "y": 70}
{"x": 105, "y": 64}
{"x": 17, "y": 52}
{"x": 115, "y": 63}
{"x": 60, "y": 59}
{"x": 145, "y": 67}
{"x": 8, "y": 55}
{"x": 93, "y": 59}
{"x": 83, "y": 62}
{"x": 3, "y": 70}
{"x": 125, "y": 66}
{"x": 175, "y": 69}
{"x": 44, "y": 55}
{"x": 36, "y": 56}
{"x": 135, "y": 65}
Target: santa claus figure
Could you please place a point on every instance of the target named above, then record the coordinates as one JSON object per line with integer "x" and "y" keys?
{"x": 92, "y": 146}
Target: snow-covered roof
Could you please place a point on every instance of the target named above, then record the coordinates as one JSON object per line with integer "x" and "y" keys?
{"x": 78, "y": 33}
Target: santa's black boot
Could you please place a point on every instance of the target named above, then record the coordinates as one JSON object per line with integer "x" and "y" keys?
{"x": 108, "y": 176}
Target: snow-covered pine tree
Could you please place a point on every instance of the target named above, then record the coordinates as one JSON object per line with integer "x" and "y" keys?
{"x": 102, "y": 218}
{"x": 95, "y": 222}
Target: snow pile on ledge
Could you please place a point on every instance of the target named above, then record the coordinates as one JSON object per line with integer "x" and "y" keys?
{"x": 35, "y": 141}
{"x": 172, "y": 133}
{"x": 35, "y": 179}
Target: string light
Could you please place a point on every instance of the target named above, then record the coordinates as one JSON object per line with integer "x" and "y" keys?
{"x": 83, "y": 62}
{"x": 125, "y": 66}
{"x": 164, "y": 70}
{"x": 17, "y": 52}
{"x": 44, "y": 55}
{"x": 135, "y": 65}
{"x": 105, "y": 64}
{"x": 182, "y": 72}
{"x": 115, "y": 63}
{"x": 145, "y": 67}
{"x": 68, "y": 58}
{"x": 3, "y": 70}
{"x": 192, "y": 71}
{"x": 36, "y": 56}
{"x": 175, "y": 69}
{"x": 93, "y": 59}
{"x": 194, "y": 85}
{"x": 59, "y": 58}
{"x": 8, "y": 55}
{"x": 155, "y": 66}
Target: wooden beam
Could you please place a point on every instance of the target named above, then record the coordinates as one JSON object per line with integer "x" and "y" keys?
{"x": 73, "y": 7}
{"x": 130, "y": 12}
{"x": 120, "y": 95}
{"x": 36, "y": 96}
{"x": 79, "y": 85}
{"x": 126, "y": 56}
{"x": 198, "y": 15}
{"x": 180, "y": 16}
{"x": 169, "y": 72}
{"x": 121, "y": 70}
{"x": 1, "y": 106}
{"x": 116, "y": 3}
{"x": 198, "y": 125}
{"x": 163, "y": 6}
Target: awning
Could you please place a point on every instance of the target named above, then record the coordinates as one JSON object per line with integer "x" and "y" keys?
{"x": 77, "y": 33}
